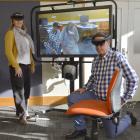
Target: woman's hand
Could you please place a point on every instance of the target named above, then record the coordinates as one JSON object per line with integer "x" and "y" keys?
{"x": 18, "y": 72}
{"x": 32, "y": 70}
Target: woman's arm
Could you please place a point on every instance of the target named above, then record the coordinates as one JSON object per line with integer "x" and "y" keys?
{"x": 9, "y": 45}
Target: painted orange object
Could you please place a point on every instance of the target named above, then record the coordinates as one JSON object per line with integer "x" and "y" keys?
{"x": 95, "y": 107}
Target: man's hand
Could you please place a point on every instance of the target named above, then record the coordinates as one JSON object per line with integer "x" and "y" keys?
{"x": 18, "y": 72}
{"x": 122, "y": 101}
{"x": 81, "y": 90}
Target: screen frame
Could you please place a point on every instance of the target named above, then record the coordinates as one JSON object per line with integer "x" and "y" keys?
{"x": 69, "y": 10}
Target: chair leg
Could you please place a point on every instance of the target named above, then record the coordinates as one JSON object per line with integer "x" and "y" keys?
{"x": 87, "y": 138}
{"x": 94, "y": 129}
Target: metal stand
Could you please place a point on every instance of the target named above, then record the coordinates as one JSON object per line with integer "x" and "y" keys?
{"x": 71, "y": 88}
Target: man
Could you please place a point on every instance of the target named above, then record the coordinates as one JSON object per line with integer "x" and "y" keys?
{"x": 102, "y": 70}
{"x": 53, "y": 45}
{"x": 69, "y": 39}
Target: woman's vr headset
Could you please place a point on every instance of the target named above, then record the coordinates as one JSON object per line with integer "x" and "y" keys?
{"x": 17, "y": 16}
{"x": 101, "y": 41}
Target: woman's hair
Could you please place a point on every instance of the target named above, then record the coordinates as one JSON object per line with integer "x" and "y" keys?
{"x": 17, "y": 16}
{"x": 23, "y": 26}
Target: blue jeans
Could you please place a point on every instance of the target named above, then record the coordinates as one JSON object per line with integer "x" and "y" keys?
{"x": 110, "y": 127}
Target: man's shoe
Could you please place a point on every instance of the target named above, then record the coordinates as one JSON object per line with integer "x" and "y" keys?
{"x": 76, "y": 134}
{"x": 133, "y": 118}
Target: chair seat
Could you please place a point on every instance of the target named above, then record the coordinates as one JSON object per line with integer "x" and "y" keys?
{"x": 89, "y": 107}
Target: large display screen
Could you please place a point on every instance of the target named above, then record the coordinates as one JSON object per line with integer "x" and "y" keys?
{"x": 68, "y": 32}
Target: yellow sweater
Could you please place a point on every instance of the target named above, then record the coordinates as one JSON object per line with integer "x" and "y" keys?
{"x": 11, "y": 51}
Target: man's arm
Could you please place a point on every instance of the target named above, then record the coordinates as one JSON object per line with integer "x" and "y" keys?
{"x": 131, "y": 79}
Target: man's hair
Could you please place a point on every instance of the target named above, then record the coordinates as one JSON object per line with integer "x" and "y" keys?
{"x": 103, "y": 35}
{"x": 102, "y": 38}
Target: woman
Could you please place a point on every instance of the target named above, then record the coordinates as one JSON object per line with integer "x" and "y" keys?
{"x": 18, "y": 49}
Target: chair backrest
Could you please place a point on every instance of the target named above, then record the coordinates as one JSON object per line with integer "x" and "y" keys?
{"x": 113, "y": 92}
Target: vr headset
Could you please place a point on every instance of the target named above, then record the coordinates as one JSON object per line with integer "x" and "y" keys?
{"x": 17, "y": 16}
{"x": 100, "y": 41}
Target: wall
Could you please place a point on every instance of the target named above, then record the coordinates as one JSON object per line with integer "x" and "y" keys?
{"x": 128, "y": 34}
{"x": 134, "y": 39}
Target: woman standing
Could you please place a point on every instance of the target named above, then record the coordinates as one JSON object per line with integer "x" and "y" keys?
{"x": 18, "y": 49}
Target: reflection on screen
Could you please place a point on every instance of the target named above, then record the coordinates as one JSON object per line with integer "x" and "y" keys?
{"x": 70, "y": 32}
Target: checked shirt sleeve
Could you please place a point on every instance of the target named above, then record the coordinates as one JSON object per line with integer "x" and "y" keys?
{"x": 131, "y": 78}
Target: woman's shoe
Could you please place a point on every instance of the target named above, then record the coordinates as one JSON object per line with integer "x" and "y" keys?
{"x": 23, "y": 120}
{"x": 28, "y": 117}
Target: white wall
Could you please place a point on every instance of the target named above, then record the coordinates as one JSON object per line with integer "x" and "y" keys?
{"x": 128, "y": 34}
{"x": 134, "y": 39}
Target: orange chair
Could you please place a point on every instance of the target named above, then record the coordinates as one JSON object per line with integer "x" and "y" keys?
{"x": 98, "y": 109}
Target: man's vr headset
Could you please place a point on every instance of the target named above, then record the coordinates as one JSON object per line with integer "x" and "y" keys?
{"x": 103, "y": 37}
{"x": 17, "y": 16}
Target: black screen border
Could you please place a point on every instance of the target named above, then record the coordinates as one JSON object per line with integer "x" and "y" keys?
{"x": 69, "y": 10}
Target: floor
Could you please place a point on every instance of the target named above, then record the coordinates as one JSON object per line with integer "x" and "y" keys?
{"x": 54, "y": 125}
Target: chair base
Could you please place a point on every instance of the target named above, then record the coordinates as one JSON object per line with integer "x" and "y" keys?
{"x": 94, "y": 130}
{"x": 55, "y": 109}
{"x": 91, "y": 138}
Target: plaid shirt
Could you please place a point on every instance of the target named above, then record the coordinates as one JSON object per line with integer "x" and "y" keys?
{"x": 102, "y": 71}
{"x": 54, "y": 40}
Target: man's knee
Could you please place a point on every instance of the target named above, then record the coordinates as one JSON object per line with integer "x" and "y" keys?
{"x": 72, "y": 98}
